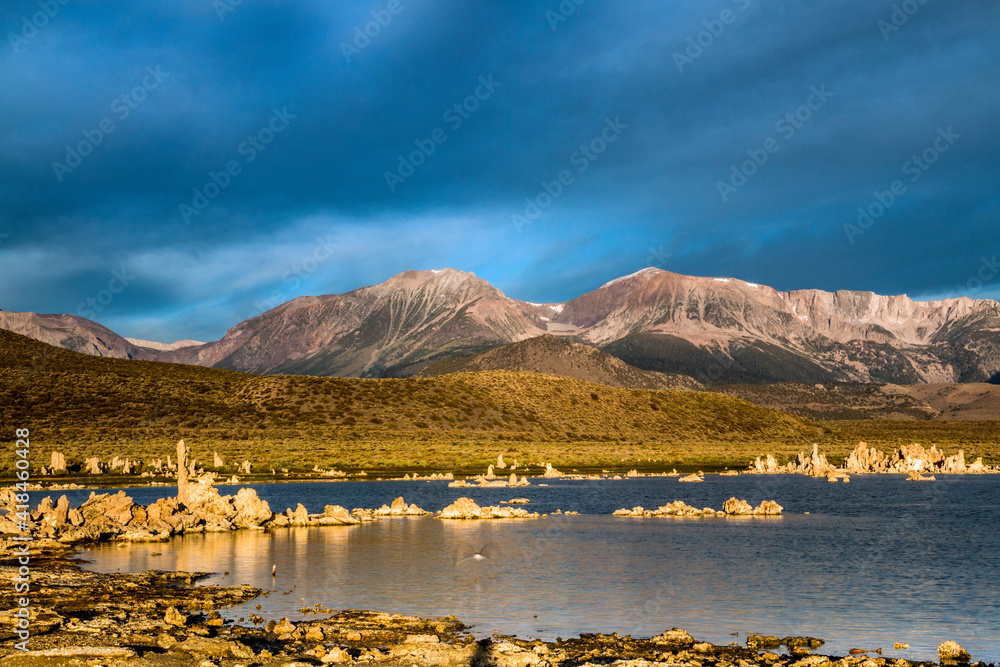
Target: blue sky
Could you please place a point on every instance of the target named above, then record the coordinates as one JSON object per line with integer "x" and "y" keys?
{"x": 209, "y": 159}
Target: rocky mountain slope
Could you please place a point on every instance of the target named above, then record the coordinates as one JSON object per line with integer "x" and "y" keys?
{"x": 163, "y": 347}
{"x": 389, "y": 329}
{"x": 73, "y": 333}
{"x": 551, "y": 355}
{"x": 716, "y": 330}
{"x": 728, "y": 330}
{"x": 955, "y": 401}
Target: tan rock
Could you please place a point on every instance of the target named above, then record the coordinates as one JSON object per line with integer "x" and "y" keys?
{"x": 251, "y": 511}
{"x": 336, "y": 515}
{"x": 398, "y": 508}
{"x": 182, "y": 471}
{"x": 955, "y": 464}
{"x": 212, "y": 648}
{"x": 284, "y": 627}
{"x": 466, "y": 508}
{"x": 335, "y": 655}
{"x": 78, "y": 652}
{"x": 57, "y": 462}
{"x": 508, "y": 654}
{"x": 174, "y": 617}
{"x": 674, "y": 637}
{"x": 951, "y": 651}
{"x": 768, "y": 508}
{"x": 734, "y": 507}
{"x": 300, "y": 517}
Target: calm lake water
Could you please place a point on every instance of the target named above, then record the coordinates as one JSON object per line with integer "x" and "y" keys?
{"x": 876, "y": 561}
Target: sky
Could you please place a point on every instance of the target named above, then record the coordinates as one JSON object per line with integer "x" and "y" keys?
{"x": 172, "y": 169}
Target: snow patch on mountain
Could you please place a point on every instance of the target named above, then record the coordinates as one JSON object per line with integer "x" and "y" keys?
{"x": 648, "y": 269}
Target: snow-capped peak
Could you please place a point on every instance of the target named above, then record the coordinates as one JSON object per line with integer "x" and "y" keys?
{"x": 631, "y": 275}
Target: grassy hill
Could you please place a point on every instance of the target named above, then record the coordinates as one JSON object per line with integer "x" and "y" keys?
{"x": 557, "y": 356}
{"x": 89, "y": 406}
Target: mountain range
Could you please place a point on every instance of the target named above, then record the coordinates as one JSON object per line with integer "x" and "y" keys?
{"x": 715, "y": 330}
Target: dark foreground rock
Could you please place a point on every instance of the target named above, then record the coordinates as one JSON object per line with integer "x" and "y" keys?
{"x": 161, "y": 619}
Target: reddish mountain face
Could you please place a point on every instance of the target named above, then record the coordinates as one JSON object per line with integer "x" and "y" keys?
{"x": 729, "y": 330}
{"x": 393, "y": 328}
{"x": 718, "y": 330}
{"x": 73, "y": 333}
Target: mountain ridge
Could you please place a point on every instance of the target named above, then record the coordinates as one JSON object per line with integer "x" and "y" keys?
{"x": 717, "y": 330}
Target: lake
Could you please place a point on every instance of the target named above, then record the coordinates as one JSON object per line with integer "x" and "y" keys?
{"x": 862, "y": 565}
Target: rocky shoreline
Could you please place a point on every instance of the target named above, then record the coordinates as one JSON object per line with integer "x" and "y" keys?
{"x": 912, "y": 459}
{"x": 162, "y": 619}
{"x": 121, "y": 473}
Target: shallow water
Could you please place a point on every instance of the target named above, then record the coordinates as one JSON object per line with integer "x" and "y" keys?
{"x": 876, "y": 561}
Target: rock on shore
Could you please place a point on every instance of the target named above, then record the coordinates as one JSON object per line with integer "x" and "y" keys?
{"x": 489, "y": 481}
{"x": 863, "y": 459}
{"x": 950, "y": 651}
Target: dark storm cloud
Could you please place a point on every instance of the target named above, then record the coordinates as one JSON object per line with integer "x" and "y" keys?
{"x": 264, "y": 115}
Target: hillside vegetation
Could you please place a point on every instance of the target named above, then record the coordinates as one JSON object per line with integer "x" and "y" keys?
{"x": 87, "y": 406}
{"x": 552, "y": 355}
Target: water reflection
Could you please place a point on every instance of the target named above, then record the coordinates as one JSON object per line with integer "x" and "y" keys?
{"x": 875, "y": 562}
